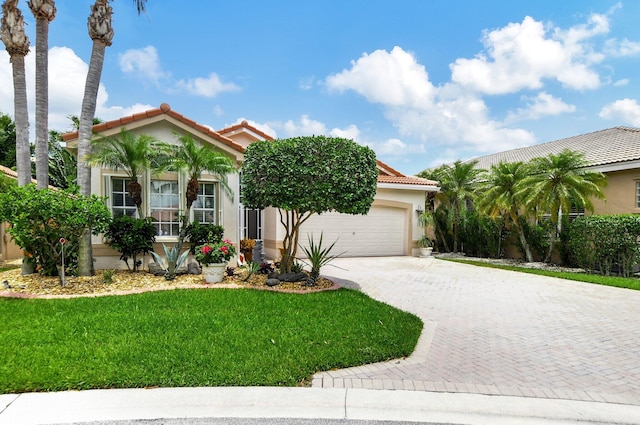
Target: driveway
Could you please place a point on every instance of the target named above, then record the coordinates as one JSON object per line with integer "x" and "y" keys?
{"x": 496, "y": 332}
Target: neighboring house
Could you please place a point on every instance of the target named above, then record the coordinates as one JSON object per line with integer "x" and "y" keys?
{"x": 8, "y": 249}
{"x": 614, "y": 151}
{"x": 391, "y": 227}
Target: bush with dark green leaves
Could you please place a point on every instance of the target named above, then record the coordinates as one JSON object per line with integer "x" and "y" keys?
{"x": 131, "y": 237}
{"x": 39, "y": 218}
{"x": 199, "y": 234}
{"x": 609, "y": 243}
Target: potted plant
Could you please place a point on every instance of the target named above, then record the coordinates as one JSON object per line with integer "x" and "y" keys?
{"x": 214, "y": 257}
{"x": 246, "y": 247}
{"x": 426, "y": 246}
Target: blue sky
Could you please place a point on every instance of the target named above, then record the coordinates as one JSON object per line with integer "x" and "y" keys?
{"x": 422, "y": 82}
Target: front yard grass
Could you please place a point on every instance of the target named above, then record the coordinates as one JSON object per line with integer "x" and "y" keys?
{"x": 617, "y": 281}
{"x": 219, "y": 337}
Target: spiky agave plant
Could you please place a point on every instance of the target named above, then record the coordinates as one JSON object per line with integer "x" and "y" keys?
{"x": 317, "y": 257}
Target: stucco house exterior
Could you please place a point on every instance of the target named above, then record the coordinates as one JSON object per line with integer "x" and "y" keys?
{"x": 390, "y": 228}
{"x": 615, "y": 152}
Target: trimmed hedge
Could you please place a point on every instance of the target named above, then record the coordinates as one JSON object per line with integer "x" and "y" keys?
{"x": 609, "y": 244}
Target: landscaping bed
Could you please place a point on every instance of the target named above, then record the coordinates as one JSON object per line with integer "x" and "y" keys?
{"x": 118, "y": 282}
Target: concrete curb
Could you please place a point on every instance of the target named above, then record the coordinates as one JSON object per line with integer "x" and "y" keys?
{"x": 283, "y": 402}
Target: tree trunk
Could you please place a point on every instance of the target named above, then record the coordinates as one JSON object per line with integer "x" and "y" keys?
{"x": 89, "y": 100}
{"x": 523, "y": 242}
{"x": 42, "y": 103}
{"x": 23, "y": 157}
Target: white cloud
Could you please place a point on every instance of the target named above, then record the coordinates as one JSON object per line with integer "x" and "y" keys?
{"x": 391, "y": 78}
{"x": 143, "y": 63}
{"x": 351, "y": 132}
{"x": 622, "y": 48}
{"x": 206, "y": 87}
{"x": 522, "y": 55}
{"x": 540, "y": 106}
{"x": 440, "y": 115}
{"x": 67, "y": 75}
{"x": 396, "y": 147}
{"x": 625, "y": 110}
{"x": 304, "y": 127}
{"x": 621, "y": 83}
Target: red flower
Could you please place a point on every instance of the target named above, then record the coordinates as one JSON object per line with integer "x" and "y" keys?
{"x": 206, "y": 249}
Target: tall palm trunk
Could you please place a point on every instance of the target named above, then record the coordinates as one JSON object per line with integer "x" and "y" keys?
{"x": 101, "y": 33}
{"x": 44, "y": 11}
{"x": 17, "y": 45}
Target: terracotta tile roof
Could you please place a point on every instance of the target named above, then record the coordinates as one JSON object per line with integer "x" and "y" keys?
{"x": 163, "y": 109}
{"x": 609, "y": 146}
{"x": 8, "y": 172}
{"x": 412, "y": 180}
{"x": 245, "y": 125}
{"x": 386, "y": 173}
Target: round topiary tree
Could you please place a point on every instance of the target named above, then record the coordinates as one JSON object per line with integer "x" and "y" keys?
{"x": 303, "y": 176}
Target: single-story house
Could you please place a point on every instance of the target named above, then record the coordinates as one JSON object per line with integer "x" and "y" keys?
{"x": 390, "y": 228}
{"x": 615, "y": 152}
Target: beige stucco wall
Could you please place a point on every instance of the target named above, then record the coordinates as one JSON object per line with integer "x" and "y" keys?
{"x": 620, "y": 193}
{"x": 8, "y": 249}
{"x": 166, "y": 132}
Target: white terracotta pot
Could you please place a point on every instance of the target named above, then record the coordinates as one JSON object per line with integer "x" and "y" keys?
{"x": 214, "y": 273}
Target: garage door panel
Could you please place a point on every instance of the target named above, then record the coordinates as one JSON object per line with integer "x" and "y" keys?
{"x": 379, "y": 233}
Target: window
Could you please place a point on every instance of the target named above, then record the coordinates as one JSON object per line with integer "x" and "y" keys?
{"x": 637, "y": 194}
{"x": 165, "y": 207}
{"x": 204, "y": 208}
{"x": 121, "y": 202}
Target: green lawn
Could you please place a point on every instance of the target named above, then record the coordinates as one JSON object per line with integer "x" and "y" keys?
{"x": 194, "y": 338}
{"x": 619, "y": 282}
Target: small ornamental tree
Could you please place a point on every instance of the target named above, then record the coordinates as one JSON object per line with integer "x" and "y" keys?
{"x": 303, "y": 176}
{"x": 39, "y": 219}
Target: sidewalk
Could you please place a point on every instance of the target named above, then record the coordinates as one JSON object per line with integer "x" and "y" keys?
{"x": 266, "y": 402}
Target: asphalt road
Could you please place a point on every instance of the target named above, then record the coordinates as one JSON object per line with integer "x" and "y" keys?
{"x": 257, "y": 421}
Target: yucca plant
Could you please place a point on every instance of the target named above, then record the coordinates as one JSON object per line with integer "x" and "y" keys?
{"x": 318, "y": 257}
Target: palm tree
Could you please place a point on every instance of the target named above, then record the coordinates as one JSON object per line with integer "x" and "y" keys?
{"x": 44, "y": 11}
{"x": 559, "y": 182}
{"x": 195, "y": 159}
{"x": 134, "y": 155}
{"x": 502, "y": 197}
{"x": 101, "y": 32}
{"x": 17, "y": 45}
{"x": 459, "y": 184}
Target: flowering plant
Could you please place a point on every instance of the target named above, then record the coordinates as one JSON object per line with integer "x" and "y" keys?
{"x": 217, "y": 252}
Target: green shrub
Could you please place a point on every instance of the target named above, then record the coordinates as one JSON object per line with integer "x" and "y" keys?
{"x": 40, "y": 218}
{"x": 131, "y": 237}
{"x": 609, "y": 244}
{"x": 200, "y": 234}
{"x": 482, "y": 236}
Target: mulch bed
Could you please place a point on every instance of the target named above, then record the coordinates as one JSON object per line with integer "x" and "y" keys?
{"x": 125, "y": 282}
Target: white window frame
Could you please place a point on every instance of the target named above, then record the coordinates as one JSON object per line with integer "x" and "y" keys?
{"x": 108, "y": 183}
{"x": 164, "y": 209}
{"x": 216, "y": 202}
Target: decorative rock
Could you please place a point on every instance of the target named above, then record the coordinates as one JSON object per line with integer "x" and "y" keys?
{"x": 292, "y": 277}
{"x": 155, "y": 269}
{"x": 258, "y": 252}
{"x": 273, "y": 282}
{"x": 194, "y": 268}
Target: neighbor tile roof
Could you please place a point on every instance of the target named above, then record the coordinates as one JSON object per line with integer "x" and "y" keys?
{"x": 412, "y": 180}
{"x": 609, "y": 146}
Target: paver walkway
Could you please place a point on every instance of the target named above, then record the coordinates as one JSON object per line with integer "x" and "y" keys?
{"x": 490, "y": 331}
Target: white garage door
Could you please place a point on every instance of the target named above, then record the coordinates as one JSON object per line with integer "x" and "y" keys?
{"x": 380, "y": 233}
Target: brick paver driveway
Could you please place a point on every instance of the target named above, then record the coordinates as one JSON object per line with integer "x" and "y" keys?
{"x": 490, "y": 331}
